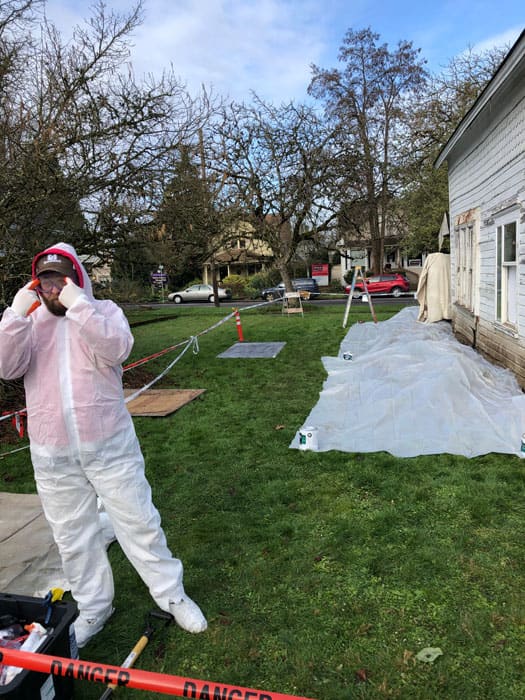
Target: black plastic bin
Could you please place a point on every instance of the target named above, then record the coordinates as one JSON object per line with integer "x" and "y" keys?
{"x": 31, "y": 685}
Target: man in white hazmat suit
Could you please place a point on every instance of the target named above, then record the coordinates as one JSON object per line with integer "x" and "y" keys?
{"x": 69, "y": 349}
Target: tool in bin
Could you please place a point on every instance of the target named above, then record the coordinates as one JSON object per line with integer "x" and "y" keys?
{"x": 51, "y": 597}
{"x": 133, "y": 655}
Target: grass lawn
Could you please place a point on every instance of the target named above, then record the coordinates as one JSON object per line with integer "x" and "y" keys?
{"x": 321, "y": 574}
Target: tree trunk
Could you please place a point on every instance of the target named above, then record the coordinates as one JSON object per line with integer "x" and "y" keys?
{"x": 286, "y": 278}
{"x": 214, "y": 283}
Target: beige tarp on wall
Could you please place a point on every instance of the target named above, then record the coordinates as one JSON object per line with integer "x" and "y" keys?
{"x": 433, "y": 290}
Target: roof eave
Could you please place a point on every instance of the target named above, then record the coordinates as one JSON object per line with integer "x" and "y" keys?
{"x": 511, "y": 60}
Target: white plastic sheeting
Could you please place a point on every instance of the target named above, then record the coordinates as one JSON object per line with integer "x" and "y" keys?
{"x": 413, "y": 389}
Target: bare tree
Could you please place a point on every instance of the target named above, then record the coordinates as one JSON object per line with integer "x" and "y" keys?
{"x": 368, "y": 101}
{"x": 449, "y": 95}
{"x": 278, "y": 174}
{"x": 86, "y": 144}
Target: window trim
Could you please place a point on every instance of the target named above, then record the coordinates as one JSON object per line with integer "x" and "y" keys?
{"x": 503, "y": 267}
{"x": 466, "y": 261}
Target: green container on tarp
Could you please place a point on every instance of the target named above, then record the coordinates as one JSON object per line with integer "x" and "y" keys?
{"x": 30, "y": 685}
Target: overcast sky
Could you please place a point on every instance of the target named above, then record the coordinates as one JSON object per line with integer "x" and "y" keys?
{"x": 268, "y": 46}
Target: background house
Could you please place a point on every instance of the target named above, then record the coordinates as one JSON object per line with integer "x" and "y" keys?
{"x": 486, "y": 163}
{"x": 360, "y": 254}
{"x": 243, "y": 254}
{"x": 98, "y": 271}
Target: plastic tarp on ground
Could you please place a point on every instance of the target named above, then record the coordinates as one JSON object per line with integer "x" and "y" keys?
{"x": 30, "y": 563}
{"x": 413, "y": 389}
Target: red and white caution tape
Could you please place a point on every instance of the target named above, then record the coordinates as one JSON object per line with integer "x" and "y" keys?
{"x": 135, "y": 678}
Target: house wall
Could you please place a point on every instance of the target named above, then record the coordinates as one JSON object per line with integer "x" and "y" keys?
{"x": 487, "y": 181}
{"x": 98, "y": 272}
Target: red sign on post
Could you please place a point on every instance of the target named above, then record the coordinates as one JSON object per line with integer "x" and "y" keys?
{"x": 321, "y": 273}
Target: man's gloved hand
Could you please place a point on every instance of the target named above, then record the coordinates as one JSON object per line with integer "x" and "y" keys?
{"x": 26, "y": 300}
{"x": 70, "y": 293}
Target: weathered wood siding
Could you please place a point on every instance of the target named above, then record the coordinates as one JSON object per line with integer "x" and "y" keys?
{"x": 493, "y": 342}
{"x": 487, "y": 176}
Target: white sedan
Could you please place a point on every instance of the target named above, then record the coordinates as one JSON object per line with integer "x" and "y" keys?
{"x": 198, "y": 292}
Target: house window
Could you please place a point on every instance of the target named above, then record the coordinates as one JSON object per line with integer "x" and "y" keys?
{"x": 506, "y": 273}
{"x": 465, "y": 252}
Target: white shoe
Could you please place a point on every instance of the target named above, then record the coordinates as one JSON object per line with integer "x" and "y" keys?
{"x": 88, "y": 627}
{"x": 188, "y": 615}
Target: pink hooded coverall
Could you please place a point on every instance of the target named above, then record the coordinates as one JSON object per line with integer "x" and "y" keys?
{"x": 83, "y": 443}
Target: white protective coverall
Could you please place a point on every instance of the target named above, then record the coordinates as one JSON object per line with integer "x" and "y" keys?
{"x": 83, "y": 443}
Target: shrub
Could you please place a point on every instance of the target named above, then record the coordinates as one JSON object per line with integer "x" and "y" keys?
{"x": 123, "y": 290}
{"x": 268, "y": 278}
{"x": 197, "y": 280}
{"x": 237, "y": 284}
{"x": 336, "y": 287}
{"x": 252, "y": 292}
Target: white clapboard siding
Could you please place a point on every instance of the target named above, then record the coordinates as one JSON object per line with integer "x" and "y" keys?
{"x": 486, "y": 178}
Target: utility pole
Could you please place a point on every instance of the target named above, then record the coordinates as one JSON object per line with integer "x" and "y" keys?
{"x": 214, "y": 282}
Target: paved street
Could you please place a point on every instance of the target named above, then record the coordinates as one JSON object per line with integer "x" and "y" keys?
{"x": 407, "y": 300}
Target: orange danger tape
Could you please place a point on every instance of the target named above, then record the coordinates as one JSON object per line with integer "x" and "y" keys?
{"x": 134, "y": 678}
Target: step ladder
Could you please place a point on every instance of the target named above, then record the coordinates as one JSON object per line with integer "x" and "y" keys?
{"x": 358, "y": 275}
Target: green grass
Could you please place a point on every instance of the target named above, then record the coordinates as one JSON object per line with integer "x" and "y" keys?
{"x": 321, "y": 574}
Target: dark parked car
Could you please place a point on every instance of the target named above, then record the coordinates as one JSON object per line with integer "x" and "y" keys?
{"x": 306, "y": 285}
{"x": 394, "y": 284}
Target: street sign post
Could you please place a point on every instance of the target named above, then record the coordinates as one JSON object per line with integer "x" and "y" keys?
{"x": 159, "y": 279}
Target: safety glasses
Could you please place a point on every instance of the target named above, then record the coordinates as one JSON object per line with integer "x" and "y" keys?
{"x": 50, "y": 282}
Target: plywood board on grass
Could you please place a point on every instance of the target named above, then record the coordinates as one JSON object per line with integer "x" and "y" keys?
{"x": 160, "y": 402}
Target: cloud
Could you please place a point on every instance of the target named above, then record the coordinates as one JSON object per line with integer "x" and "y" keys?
{"x": 233, "y": 45}
{"x": 506, "y": 38}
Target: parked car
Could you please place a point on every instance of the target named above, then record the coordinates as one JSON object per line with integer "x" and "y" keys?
{"x": 199, "y": 292}
{"x": 308, "y": 285}
{"x": 394, "y": 284}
